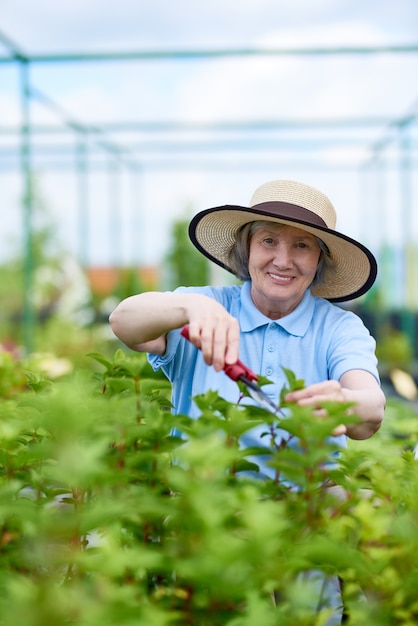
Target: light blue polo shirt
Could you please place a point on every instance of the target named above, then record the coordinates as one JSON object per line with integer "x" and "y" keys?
{"x": 317, "y": 341}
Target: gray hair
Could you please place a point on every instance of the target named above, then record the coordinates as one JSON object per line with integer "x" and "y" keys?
{"x": 239, "y": 252}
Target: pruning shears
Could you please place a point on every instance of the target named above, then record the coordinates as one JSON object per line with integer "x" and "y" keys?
{"x": 239, "y": 371}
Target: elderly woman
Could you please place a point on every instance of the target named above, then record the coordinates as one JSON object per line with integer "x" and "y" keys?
{"x": 294, "y": 265}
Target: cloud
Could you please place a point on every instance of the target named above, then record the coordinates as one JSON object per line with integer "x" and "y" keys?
{"x": 49, "y": 25}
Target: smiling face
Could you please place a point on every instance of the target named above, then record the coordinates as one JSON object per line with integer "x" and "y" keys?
{"x": 282, "y": 264}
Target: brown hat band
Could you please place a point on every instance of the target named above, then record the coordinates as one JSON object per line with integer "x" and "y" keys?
{"x": 292, "y": 211}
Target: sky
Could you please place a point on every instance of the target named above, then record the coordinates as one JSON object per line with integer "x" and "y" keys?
{"x": 176, "y": 135}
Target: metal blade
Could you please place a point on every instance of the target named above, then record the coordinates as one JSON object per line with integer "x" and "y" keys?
{"x": 259, "y": 396}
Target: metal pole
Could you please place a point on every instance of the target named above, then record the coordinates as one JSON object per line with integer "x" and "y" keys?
{"x": 115, "y": 212}
{"x": 158, "y": 55}
{"x": 386, "y": 252}
{"x": 137, "y": 227}
{"x": 28, "y": 256}
{"x": 83, "y": 212}
{"x": 406, "y": 212}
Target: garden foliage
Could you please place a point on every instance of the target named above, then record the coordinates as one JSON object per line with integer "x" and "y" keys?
{"x": 106, "y": 518}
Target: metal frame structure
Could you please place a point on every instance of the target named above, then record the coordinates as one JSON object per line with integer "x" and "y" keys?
{"x": 91, "y": 141}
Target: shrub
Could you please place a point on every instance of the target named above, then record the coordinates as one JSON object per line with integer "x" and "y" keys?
{"x": 107, "y": 517}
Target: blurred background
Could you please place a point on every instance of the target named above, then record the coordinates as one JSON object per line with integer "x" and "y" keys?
{"x": 120, "y": 120}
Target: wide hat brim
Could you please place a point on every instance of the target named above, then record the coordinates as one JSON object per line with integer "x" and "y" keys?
{"x": 354, "y": 267}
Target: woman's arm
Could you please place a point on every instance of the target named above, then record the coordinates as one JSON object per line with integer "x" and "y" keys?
{"x": 362, "y": 388}
{"x": 356, "y": 386}
{"x": 143, "y": 321}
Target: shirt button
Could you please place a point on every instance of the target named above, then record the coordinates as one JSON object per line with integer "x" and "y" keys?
{"x": 273, "y": 325}
{"x": 270, "y": 348}
{"x": 269, "y": 371}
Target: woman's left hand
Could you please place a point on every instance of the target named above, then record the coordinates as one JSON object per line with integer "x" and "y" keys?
{"x": 315, "y": 395}
{"x": 355, "y": 386}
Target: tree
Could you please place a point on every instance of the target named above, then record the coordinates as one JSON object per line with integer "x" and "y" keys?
{"x": 185, "y": 265}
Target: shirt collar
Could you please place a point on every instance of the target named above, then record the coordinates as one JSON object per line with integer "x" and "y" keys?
{"x": 296, "y": 323}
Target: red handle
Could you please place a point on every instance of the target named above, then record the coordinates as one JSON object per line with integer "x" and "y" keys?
{"x": 236, "y": 370}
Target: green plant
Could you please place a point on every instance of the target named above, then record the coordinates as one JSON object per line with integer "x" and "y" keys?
{"x": 186, "y": 266}
{"x": 108, "y": 517}
{"x": 394, "y": 349}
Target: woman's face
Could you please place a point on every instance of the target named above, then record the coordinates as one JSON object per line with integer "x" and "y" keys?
{"x": 282, "y": 264}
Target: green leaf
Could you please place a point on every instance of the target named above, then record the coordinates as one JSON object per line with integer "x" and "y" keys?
{"x": 293, "y": 384}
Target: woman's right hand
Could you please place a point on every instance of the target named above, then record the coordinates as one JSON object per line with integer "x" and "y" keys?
{"x": 214, "y": 331}
{"x": 143, "y": 321}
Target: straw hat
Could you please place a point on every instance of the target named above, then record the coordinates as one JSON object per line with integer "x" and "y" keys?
{"x": 354, "y": 267}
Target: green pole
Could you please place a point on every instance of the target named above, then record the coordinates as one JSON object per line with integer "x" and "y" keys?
{"x": 28, "y": 257}
{"x": 83, "y": 213}
{"x": 115, "y": 212}
{"x": 379, "y": 223}
{"x": 406, "y": 205}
